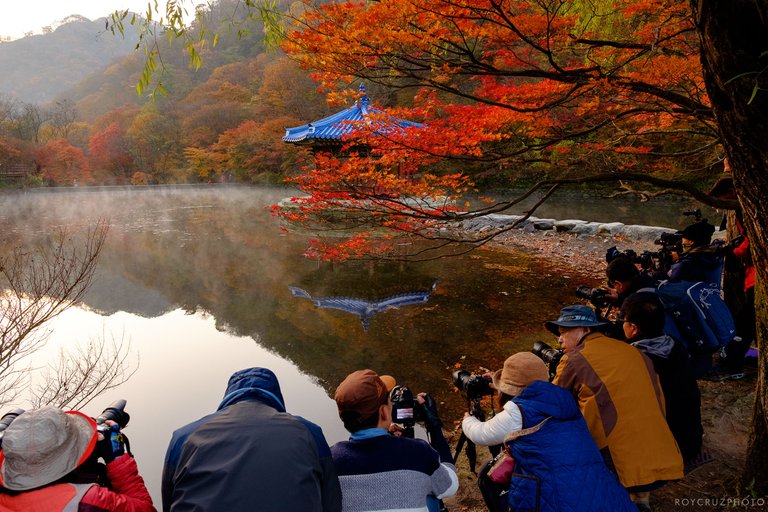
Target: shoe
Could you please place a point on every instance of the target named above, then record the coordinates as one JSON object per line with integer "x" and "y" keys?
{"x": 719, "y": 374}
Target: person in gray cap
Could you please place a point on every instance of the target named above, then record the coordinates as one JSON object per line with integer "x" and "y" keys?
{"x": 620, "y": 397}
{"x": 43, "y": 460}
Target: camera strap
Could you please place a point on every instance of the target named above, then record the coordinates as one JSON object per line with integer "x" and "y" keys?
{"x": 526, "y": 431}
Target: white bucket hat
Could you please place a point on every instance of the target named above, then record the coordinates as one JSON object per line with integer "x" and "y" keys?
{"x": 43, "y": 445}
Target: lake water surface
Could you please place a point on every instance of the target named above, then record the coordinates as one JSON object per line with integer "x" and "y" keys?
{"x": 203, "y": 282}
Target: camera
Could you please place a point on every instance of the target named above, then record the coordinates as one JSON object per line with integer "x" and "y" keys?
{"x": 696, "y": 214}
{"x": 475, "y": 386}
{"x": 597, "y": 296}
{"x": 115, "y": 412}
{"x": 612, "y": 253}
{"x": 6, "y": 421}
{"x": 550, "y": 356}
{"x": 670, "y": 241}
{"x": 406, "y": 411}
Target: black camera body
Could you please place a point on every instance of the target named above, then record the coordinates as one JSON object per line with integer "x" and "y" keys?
{"x": 696, "y": 214}
{"x": 475, "y": 386}
{"x": 115, "y": 412}
{"x": 550, "y": 356}
{"x": 597, "y": 296}
{"x": 406, "y": 410}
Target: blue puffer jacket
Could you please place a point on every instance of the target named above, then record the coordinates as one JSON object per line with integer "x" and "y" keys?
{"x": 250, "y": 455}
{"x": 559, "y": 467}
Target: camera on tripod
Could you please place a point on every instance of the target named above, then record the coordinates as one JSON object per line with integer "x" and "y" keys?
{"x": 550, "y": 356}
{"x": 475, "y": 386}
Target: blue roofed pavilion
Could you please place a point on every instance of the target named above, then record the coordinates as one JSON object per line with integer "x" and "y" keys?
{"x": 330, "y": 131}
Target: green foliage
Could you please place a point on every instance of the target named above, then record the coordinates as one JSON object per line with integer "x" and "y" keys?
{"x": 240, "y": 17}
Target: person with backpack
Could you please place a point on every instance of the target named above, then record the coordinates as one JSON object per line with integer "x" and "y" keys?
{"x": 642, "y": 317}
{"x": 552, "y": 452}
{"x": 699, "y": 261}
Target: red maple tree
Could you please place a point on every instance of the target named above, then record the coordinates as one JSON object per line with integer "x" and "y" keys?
{"x": 584, "y": 91}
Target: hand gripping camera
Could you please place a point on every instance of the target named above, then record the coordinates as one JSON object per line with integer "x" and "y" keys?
{"x": 406, "y": 411}
{"x": 115, "y": 412}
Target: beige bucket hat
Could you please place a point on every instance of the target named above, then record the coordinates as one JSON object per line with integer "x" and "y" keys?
{"x": 43, "y": 445}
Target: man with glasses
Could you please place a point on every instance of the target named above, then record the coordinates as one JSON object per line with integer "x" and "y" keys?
{"x": 643, "y": 322}
{"x": 619, "y": 395}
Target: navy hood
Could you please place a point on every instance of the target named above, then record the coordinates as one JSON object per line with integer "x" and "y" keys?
{"x": 254, "y": 383}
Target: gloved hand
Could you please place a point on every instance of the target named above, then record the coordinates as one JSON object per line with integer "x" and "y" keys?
{"x": 112, "y": 445}
{"x": 431, "y": 418}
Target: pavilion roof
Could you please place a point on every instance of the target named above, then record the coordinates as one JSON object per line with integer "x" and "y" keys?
{"x": 333, "y": 128}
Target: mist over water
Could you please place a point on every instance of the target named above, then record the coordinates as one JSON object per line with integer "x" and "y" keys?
{"x": 203, "y": 282}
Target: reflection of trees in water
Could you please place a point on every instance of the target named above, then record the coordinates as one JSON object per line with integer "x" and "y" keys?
{"x": 363, "y": 308}
{"x": 223, "y": 253}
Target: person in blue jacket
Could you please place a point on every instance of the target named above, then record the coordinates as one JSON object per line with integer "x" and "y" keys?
{"x": 250, "y": 455}
{"x": 557, "y": 465}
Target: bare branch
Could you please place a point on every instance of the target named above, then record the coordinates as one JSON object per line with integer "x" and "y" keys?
{"x": 80, "y": 376}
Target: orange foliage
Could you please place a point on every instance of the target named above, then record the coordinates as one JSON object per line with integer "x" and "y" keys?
{"x": 498, "y": 83}
{"x": 63, "y": 164}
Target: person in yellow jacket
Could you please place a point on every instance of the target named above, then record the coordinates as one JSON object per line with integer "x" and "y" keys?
{"x": 621, "y": 399}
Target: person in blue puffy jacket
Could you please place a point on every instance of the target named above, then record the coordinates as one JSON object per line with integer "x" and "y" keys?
{"x": 557, "y": 465}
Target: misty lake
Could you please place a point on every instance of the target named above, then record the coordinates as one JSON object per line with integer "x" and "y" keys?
{"x": 202, "y": 282}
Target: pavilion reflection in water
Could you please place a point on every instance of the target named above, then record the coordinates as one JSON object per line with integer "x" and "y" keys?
{"x": 363, "y": 308}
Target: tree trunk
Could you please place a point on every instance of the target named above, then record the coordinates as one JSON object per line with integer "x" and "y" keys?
{"x": 733, "y": 34}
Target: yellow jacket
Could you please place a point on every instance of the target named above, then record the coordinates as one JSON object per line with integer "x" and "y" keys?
{"x": 621, "y": 399}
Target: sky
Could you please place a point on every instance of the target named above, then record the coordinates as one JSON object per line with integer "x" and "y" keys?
{"x": 20, "y": 16}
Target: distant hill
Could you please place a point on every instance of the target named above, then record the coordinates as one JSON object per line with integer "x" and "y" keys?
{"x": 38, "y": 68}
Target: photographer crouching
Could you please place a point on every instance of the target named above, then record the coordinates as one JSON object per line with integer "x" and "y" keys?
{"x": 380, "y": 471}
{"x": 49, "y": 461}
{"x": 548, "y": 450}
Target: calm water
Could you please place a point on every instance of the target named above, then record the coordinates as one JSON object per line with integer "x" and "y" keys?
{"x": 202, "y": 282}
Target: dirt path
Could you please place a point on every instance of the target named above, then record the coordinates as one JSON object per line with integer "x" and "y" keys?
{"x": 726, "y": 406}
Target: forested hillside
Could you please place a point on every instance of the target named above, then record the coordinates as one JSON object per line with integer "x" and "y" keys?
{"x": 222, "y": 122}
{"x": 38, "y": 68}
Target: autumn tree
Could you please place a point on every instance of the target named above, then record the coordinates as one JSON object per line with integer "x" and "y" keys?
{"x": 576, "y": 91}
{"x": 62, "y": 118}
{"x": 62, "y": 163}
{"x": 631, "y": 90}
{"x": 109, "y": 153}
{"x": 220, "y": 103}
{"x": 154, "y": 139}
{"x": 734, "y": 40}
{"x": 252, "y": 152}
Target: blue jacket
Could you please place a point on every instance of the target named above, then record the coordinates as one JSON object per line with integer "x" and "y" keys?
{"x": 250, "y": 455}
{"x": 559, "y": 467}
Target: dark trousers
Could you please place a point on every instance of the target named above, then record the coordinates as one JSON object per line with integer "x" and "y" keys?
{"x": 494, "y": 495}
{"x": 745, "y": 327}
